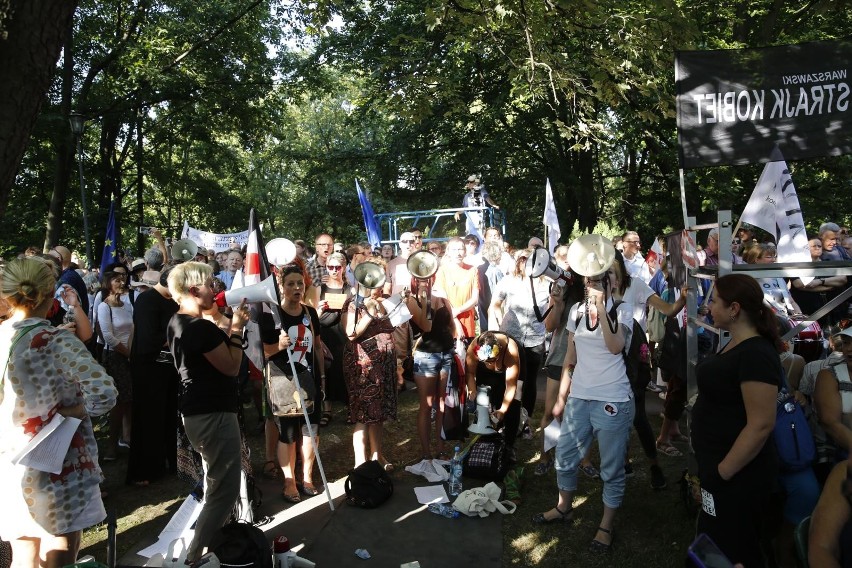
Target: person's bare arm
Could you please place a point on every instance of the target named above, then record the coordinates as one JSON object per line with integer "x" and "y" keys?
{"x": 228, "y": 356}
{"x": 830, "y": 515}
{"x": 568, "y": 365}
{"x": 829, "y": 408}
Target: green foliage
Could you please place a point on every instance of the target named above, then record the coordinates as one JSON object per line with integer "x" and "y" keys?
{"x": 281, "y": 108}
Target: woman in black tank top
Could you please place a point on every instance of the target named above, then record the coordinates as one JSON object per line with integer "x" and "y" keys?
{"x": 433, "y": 357}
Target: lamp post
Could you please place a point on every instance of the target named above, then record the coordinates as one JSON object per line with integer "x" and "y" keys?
{"x": 78, "y": 124}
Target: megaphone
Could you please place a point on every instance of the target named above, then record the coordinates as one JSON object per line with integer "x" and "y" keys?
{"x": 422, "y": 265}
{"x": 370, "y": 275}
{"x": 541, "y": 263}
{"x": 264, "y": 291}
{"x": 184, "y": 249}
{"x": 591, "y": 255}
{"x": 483, "y": 412}
{"x": 280, "y": 252}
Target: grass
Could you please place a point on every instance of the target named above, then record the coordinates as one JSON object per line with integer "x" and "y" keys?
{"x": 653, "y": 528}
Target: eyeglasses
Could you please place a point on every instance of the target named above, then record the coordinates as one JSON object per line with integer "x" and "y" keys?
{"x": 408, "y": 242}
{"x": 335, "y": 268}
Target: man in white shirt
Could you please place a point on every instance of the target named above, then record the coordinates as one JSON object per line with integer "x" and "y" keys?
{"x": 633, "y": 259}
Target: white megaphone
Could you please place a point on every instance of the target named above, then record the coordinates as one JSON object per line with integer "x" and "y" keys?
{"x": 591, "y": 255}
{"x": 483, "y": 413}
{"x": 540, "y": 263}
{"x": 184, "y": 249}
{"x": 280, "y": 252}
{"x": 370, "y": 275}
{"x": 423, "y": 264}
{"x": 264, "y": 291}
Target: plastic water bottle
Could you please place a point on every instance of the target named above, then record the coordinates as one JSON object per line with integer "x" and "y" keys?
{"x": 444, "y": 510}
{"x": 455, "y": 481}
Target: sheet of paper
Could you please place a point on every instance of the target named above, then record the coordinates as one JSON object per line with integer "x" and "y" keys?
{"x": 551, "y": 434}
{"x": 181, "y": 524}
{"x": 335, "y": 301}
{"x": 431, "y": 494}
{"x": 47, "y": 449}
{"x": 396, "y": 310}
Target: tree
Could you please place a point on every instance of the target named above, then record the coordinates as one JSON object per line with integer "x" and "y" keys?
{"x": 34, "y": 33}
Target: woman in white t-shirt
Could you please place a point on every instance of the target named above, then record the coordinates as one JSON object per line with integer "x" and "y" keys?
{"x": 115, "y": 317}
{"x": 597, "y": 400}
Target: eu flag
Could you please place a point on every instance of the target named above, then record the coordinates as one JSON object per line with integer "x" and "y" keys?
{"x": 110, "y": 240}
{"x": 374, "y": 235}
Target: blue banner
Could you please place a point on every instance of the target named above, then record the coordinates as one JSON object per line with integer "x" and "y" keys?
{"x": 110, "y": 240}
{"x": 374, "y": 235}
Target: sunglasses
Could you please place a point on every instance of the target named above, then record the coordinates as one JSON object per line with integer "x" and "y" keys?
{"x": 407, "y": 242}
{"x": 335, "y": 268}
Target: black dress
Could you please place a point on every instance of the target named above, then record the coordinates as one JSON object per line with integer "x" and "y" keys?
{"x": 334, "y": 338}
{"x": 734, "y": 512}
{"x": 155, "y": 387}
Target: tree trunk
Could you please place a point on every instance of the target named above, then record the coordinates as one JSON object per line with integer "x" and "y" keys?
{"x": 36, "y": 31}
{"x": 64, "y": 149}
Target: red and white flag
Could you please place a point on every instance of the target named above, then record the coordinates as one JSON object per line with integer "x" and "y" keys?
{"x": 255, "y": 270}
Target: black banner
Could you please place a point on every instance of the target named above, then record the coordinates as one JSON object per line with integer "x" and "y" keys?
{"x": 734, "y": 106}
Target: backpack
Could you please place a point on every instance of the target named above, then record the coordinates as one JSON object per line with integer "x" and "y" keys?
{"x": 793, "y": 439}
{"x": 635, "y": 353}
{"x": 241, "y": 544}
{"x": 368, "y": 485}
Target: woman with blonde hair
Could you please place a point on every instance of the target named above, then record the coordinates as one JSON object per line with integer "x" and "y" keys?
{"x": 44, "y": 513}
{"x": 208, "y": 361}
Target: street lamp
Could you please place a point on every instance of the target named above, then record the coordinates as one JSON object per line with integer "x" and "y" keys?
{"x": 78, "y": 124}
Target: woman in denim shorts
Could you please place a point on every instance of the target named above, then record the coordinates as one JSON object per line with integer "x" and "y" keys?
{"x": 433, "y": 358}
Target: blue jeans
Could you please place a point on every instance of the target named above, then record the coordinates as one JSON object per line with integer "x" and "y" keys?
{"x": 610, "y": 423}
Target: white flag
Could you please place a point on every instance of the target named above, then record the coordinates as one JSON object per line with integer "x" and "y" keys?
{"x": 551, "y": 221}
{"x": 774, "y": 207}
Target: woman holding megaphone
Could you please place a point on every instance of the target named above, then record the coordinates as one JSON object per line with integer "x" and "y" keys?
{"x": 369, "y": 363}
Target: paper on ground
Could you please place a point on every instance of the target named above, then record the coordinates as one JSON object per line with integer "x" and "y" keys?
{"x": 431, "y": 494}
{"x": 46, "y": 451}
{"x": 551, "y": 434}
{"x": 180, "y": 525}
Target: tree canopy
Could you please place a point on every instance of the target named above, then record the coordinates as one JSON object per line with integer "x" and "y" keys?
{"x": 198, "y": 111}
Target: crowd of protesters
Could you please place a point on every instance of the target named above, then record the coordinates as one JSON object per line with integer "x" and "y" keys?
{"x": 174, "y": 375}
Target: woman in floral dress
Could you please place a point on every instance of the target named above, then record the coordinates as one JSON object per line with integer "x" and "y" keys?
{"x": 369, "y": 370}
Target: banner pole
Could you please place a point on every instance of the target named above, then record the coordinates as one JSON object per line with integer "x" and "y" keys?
{"x": 683, "y": 199}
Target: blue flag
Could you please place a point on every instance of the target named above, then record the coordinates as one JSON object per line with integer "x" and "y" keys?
{"x": 110, "y": 240}
{"x": 374, "y": 235}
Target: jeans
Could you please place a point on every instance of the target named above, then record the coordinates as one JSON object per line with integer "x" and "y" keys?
{"x": 610, "y": 423}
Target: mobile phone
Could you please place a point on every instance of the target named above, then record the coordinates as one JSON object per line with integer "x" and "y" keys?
{"x": 146, "y": 230}
{"x": 705, "y": 554}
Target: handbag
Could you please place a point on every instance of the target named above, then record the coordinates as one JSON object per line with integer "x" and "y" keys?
{"x": 486, "y": 458}
{"x": 482, "y": 501}
{"x": 284, "y": 400}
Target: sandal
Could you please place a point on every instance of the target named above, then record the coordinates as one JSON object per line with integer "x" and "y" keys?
{"x": 542, "y": 468}
{"x": 308, "y": 489}
{"x": 326, "y": 418}
{"x": 564, "y": 517}
{"x": 291, "y": 497}
{"x": 590, "y": 471}
{"x": 669, "y": 450}
{"x": 599, "y": 547}
{"x": 680, "y": 438}
{"x": 270, "y": 470}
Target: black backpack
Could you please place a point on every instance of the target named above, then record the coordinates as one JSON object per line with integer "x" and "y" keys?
{"x": 638, "y": 371}
{"x": 241, "y": 545}
{"x": 368, "y": 485}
